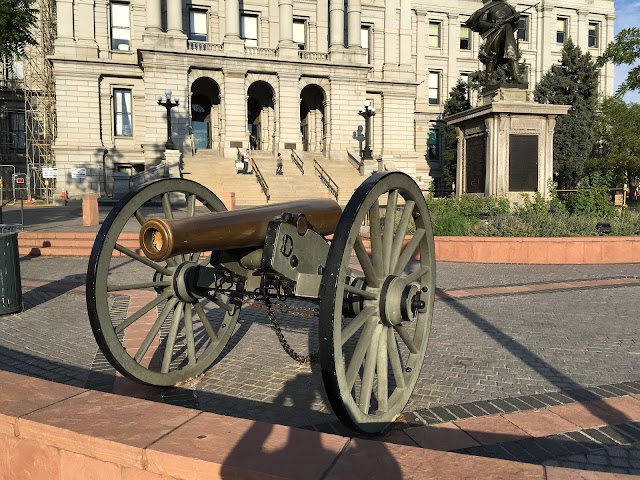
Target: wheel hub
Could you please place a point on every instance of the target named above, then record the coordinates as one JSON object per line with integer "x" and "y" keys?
{"x": 183, "y": 282}
{"x": 399, "y": 302}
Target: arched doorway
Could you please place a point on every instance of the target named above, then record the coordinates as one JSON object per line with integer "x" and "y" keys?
{"x": 261, "y": 116}
{"x": 205, "y": 114}
{"x": 312, "y": 126}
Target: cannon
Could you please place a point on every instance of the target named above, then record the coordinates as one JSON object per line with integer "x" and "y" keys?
{"x": 368, "y": 271}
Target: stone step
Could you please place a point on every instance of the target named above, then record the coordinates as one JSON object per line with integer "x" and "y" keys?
{"x": 68, "y": 243}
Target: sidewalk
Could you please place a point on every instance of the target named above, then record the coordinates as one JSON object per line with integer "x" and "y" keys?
{"x": 531, "y": 372}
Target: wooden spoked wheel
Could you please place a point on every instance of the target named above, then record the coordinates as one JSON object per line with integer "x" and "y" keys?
{"x": 376, "y": 303}
{"x": 170, "y": 333}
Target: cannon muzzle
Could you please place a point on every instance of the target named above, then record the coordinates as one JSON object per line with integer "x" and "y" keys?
{"x": 161, "y": 239}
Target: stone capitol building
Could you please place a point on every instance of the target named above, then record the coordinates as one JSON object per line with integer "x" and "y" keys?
{"x": 292, "y": 74}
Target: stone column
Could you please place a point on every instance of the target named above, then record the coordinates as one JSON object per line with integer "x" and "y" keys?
{"x": 583, "y": 31}
{"x": 235, "y": 108}
{"x": 354, "y": 14}
{"x": 86, "y": 28}
{"x": 232, "y": 21}
{"x": 608, "y": 68}
{"x": 154, "y": 16}
{"x": 405, "y": 33}
{"x": 289, "y": 111}
{"x": 285, "y": 8}
{"x": 286, "y": 48}
{"x": 64, "y": 18}
{"x": 336, "y": 26}
{"x": 452, "y": 53}
{"x": 421, "y": 61}
{"x": 174, "y": 17}
{"x": 232, "y": 41}
{"x": 390, "y": 32}
{"x": 322, "y": 29}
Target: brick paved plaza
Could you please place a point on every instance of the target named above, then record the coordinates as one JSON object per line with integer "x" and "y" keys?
{"x": 502, "y": 337}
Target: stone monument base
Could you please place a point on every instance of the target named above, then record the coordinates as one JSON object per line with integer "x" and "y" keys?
{"x": 505, "y": 145}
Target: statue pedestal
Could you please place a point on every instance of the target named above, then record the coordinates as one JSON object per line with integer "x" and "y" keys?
{"x": 505, "y": 145}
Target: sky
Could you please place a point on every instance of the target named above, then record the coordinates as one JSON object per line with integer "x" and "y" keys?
{"x": 627, "y": 15}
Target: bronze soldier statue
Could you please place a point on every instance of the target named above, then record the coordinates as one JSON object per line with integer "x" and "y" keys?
{"x": 496, "y": 22}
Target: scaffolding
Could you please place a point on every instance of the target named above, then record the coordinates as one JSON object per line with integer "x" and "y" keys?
{"x": 39, "y": 100}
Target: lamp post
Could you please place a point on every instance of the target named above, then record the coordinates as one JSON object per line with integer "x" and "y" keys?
{"x": 168, "y": 104}
{"x": 366, "y": 112}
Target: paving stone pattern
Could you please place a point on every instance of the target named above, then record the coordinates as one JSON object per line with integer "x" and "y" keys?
{"x": 487, "y": 354}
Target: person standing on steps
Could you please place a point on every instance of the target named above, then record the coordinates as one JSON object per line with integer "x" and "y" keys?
{"x": 279, "y": 164}
{"x": 247, "y": 158}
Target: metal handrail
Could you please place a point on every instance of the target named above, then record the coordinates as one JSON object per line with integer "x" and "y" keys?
{"x": 260, "y": 179}
{"x": 295, "y": 158}
{"x": 331, "y": 185}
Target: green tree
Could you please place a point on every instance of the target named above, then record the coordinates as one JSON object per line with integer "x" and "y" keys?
{"x": 625, "y": 50}
{"x": 572, "y": 82}
{"x": 17, "y": 18}
{"x": 457, "y": 102}
{"x": 618, "y": 148}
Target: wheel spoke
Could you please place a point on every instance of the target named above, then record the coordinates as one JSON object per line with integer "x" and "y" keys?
{"x": 412, "y": 277}
{"x": 148, "y": 339}
{"x": 394, "y": 359}
{"x": 225, "y": 306}
{"x": 205, "y": 321}
{"x": 365, "y": 263}
{"x": 398, "y": 240}
{"x": 144, "y": 260}
{"x": 389, "y": 220}
{"x": 188, "y": 332}
{"x": 406, "y": 338}
{"x": 358, "y": 291}
{"x": 370, "y": 364}
{"x": 356, "y": 323}
{"x": 376, "y": 238}
{"x": 195, "y": 257}
{"x": 166, "y": 206}
{"x": 171, "y": 338}
{"x": 408, "y": 251}
{"x": 144, "y": 310}
{"x": 359, "y": 352}
{"x": 191, "y": 205}
{"x": 140, "y": 217}
{"x": 136, "y": 286}
{"x": 382, "y": 393}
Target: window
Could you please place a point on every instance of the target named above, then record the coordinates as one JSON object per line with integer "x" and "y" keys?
{"x": 434, "y": 88}
{"x": 465, "y": 38}
{"x": 198, "y": 25}
{"x": 120, "y": 27}
{"x": 593, "y": 35}
{"x": 17, "y": 130}
{"x": 365, "y": 40}
{"x": 434, "y": 34}
{"x": 561, "y": 30}
{"x": 300, "y": 33}
{"x": 432, "y": 143}
{"x": 523, "y": 29}
{"x": 249, "y": 30}
{"x": 122, "y": 112}
{"x": 465, "y": 79}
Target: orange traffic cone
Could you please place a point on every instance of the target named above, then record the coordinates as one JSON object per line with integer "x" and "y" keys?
{"x": 64, "y": 196}
{"x": 29, "y": 200}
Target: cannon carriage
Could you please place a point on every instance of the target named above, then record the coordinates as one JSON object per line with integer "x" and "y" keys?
{"x": 369, "y": 270}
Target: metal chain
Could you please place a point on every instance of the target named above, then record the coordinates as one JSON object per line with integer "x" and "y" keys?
{"x": 286, "y": 310}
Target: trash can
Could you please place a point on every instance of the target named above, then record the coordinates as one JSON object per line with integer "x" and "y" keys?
{"x": 10, "y": 283}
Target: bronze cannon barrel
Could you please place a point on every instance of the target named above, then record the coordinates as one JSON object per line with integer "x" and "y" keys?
{"x": 161, "y": 239}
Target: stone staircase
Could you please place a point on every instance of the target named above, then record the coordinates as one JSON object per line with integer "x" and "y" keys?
{"x": 341, "y": 172}
{"x": 219, "y": 175}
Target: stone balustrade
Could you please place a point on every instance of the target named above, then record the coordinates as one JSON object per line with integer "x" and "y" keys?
{"x": 198, "y": 46}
